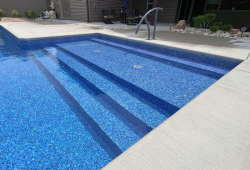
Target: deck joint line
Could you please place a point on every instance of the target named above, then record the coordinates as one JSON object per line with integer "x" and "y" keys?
{"x": 248, "y": 56}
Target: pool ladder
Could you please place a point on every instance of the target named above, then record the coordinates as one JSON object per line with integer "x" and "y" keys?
{"x": 145, "y": 18}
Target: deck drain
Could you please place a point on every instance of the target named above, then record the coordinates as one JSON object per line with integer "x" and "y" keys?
{"x": 137, "y": 66}
{"x": 97, "y": 51}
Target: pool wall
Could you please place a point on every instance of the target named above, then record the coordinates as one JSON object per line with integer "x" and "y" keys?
{"x": 32, "y": 44}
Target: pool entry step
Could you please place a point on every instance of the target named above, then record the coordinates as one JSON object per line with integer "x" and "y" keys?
{"x": 108, "y": 119}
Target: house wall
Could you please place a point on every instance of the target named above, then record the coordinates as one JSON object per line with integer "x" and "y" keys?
{"x": 225, "y": 14}
{"x": 199, "y": 6}
{"x": 141, "y": 5}
{"x": 238, "y": 18}
{"x": 79, "y": 11}
{"x": 21, "y": 5}
{"x": 228, "y": 5}
{"x": 58, "y": 8}
{"x": 198, "y": 9}
{"x": 235, "y": 18}
{"x": 170, "y": 9}
{"x": 95, "y": 14}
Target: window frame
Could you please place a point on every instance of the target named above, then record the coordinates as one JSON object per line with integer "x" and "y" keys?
{"x": 150, "y": 4}
{"x": 212, "y": 4}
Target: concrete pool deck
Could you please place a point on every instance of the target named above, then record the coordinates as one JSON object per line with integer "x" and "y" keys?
{"x": 203, "y": 45}
{"x": 210, "y": 132}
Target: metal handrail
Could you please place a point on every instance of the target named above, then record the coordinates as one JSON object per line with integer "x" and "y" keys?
{"x": 145, "y": 17}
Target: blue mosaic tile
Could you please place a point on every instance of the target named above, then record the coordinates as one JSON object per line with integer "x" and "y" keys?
{"x": 109, "y": 122}
{"x": 124, "y": 98}
{"x": 38, "y": 129}
{"x": 79, "y": 102}
{"x": 165, "y": 51}
{"x": 41, "y": 43}
{"x": 166, "y": 81}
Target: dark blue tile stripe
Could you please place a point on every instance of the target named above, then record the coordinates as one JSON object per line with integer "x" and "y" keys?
{"x": 158, "y": 104}
{"x": 135, "y": 124}
{"x": 99, "y": 135}
{"x": 159, "y": 49}
{"x": 167, "y": 62}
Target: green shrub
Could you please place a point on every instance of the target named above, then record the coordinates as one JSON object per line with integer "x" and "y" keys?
{"x": 42, "y": 14}
{"x": 226, "y": 27}
{"x": 218, "y": 24}
{"x": 30, "y": 14}
{"x": 14, "y": 14}
{"x": 199, "y": 21}
{"x": 26, "y": 14}
{"x": 1, "y": 12}
{"x": 197, "y": 25}
{"x": 214, "y": 28}
{"x": 0, "y": 18}
{"x": 209, "y": 18}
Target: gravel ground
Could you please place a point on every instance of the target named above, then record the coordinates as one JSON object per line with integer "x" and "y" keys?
{"x": 10, "y": 19}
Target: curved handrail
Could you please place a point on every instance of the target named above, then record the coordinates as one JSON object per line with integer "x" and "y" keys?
{"x": 145, "y": 17}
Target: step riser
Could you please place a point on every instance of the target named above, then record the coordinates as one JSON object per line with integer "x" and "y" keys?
{"x": 139, "y": 127}
{"x": 117, "y": 130}
{"x": 193, "y": 66}
{"x": 80, "y": 112}
{"x": 132, "y": 104}
{"x": 158, "y": 104}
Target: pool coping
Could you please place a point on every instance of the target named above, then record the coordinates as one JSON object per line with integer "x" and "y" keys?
{"x": 202, "y": 132}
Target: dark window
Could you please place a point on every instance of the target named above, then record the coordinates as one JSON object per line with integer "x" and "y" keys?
{"x": 213, "y": 5}
{"x": 213, "y": 1}
{"x": 150, "y": 4}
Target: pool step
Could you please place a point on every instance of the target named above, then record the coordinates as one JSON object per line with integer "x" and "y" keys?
{"x": 136, "y": 125}
{"x": 117, "y": 125}
{"x": 173, "y": 83}
{"x": 126, "y": 97}
{"x": 122, "y": 95}
{"x": 165, "y": 58}
{"x": 155, "y": 102}
{"x": 80, "y": 112}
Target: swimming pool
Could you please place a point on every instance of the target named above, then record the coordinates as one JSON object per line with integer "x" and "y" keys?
{"x": 79, "y": 102}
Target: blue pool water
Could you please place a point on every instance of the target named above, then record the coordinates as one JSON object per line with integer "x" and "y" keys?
{"x": 80, "y": 103}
